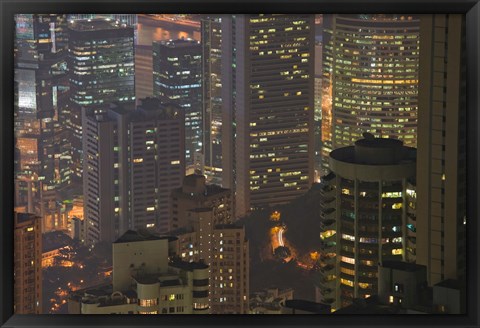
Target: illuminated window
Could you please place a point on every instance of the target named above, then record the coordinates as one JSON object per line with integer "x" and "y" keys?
{"x": 171, "y": 297}
{"x": 346, "y": 282}
{"x": 138, "y": 160}
{"x": 397, "y": 206}
{"x": 175, "y": 162}
{"x": 390, "y": 299}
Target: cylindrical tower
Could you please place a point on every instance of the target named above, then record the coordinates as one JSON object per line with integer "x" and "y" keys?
{"x": 371, "y": 185}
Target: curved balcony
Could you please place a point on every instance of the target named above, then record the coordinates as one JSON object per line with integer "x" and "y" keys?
{"x": 327, "y": 191}
{"x": 327, "y": 269}
{"x": 327, "y": 224}
{"x": 328, "y": 247}
{"x": 328, "y": 213}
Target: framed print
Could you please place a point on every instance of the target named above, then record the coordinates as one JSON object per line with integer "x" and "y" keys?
{"x": 244, "y": 163}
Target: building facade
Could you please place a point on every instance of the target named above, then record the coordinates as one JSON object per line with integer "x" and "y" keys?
{"x": 371, "y": 72}
{"x": 268, "y": 102}
{"x": 195, "y": 193}
{"x": 133, "y": 161}
{"x": 363, "y": 216}
{"x": 441, "y": 166}
{"x": 225, "y": 249}
{"x": 145, "y": 282}
{"x": 101, "y": 71}
{"x": 211, "y": 28}
{"x": 27, "y": 264}
{"x": 177, "y": 78}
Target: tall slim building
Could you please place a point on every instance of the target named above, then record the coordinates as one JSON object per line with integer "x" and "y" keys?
{"x": 372, "y": 69}
{"x": 225, "y": 249}
{"x": 41, "y": 85}
{"x": 211, "y": 28}
{"x": 133, "y": 160}
{"x": 268, "y": 102}
{"x": 364, "y": 216}
{"x": 441, "y": 166}
{"x": 177, "y": 78}
{"x": 101, "y": 71}
{"x": 28, "y": 264}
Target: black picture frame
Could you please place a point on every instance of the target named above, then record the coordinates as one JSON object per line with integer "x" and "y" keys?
{"x": 10, "y": 7}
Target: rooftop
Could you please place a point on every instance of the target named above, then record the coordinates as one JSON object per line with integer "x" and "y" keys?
{"x": 449, "y": 283}
{"x": 188, "y": 266}
{"x": 179, "y": 43}
{"x": 403, "y": 266}
{"x": 134, "y": 236}
{"x": 308, "y": 306}
{"x": 86, "y": 25}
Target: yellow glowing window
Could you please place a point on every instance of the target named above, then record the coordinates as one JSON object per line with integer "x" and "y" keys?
{"x": 30, "y": 229}
{"x": 397, "y": 251}
{"x": 299, "y": 93}
{"x": 175, "y": 162}
{"x": 345, "y": 191}
{"x": 171, "y": 297}
{"x": 397, "y": 206}
{"x": 346, "y": 282}
{"x": 149, "y": 209}
{"x": 138, "y": 160}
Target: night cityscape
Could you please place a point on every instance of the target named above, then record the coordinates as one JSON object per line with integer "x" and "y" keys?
{"x": 240, "y": 164}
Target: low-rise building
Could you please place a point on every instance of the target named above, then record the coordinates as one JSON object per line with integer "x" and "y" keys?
{"x": 146, "y": 282}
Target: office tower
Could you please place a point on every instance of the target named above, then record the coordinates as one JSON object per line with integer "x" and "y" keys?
{"x": 41, "y": 87}
{"x": 133, "y": 160}
{"x": 195, "y": 193}
{"x": 177, "y": 78}
{"x": 224, "y": 248}
{"x": 145, "y": 282}
{"x": 441, "y": 165}
{"x": 268, "y": 102}
{"x": 371, "y": 70}
{"x": 318, "y": 110}
{"x": 211, "y": 28}
{"x": 101, "y": 71}
{"x": 27, "y": 264}
{"x": 364, "y": 216}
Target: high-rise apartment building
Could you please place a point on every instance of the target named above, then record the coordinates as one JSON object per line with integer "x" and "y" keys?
{"x": 211, "y": 28}
{"x": 134, "y": 158}
{"x": 371, "y": 72}
{"x": 27, "y": 264}
{"x": 195, "y": 193}
{"x": 441, "y": 165}
{"x": 224, "y": 248}
{"x": 177, "y": 78}
{"x": 145, "y": 282}
{"x": 101, "y": 71}
{"x": 364, "y": 216}
{"x": 268, "y": 102}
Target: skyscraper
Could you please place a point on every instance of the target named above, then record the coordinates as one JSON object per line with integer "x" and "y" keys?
{"x": 441, "y": 165}
{"x": 177, "y": 78}
{"x": 101, "y": 71}
{"x": 133, "y": 160}
{"x": 41, "y": 91}
{"x": 212, "y": 97}
{"x": 268, "y": 102}
{"x": 364, "y": 216}
{"x": 28, "y": 264}
{"x": 372, "y": 69}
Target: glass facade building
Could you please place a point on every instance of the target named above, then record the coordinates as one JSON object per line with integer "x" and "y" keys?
{"x": 177, "y": 78}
